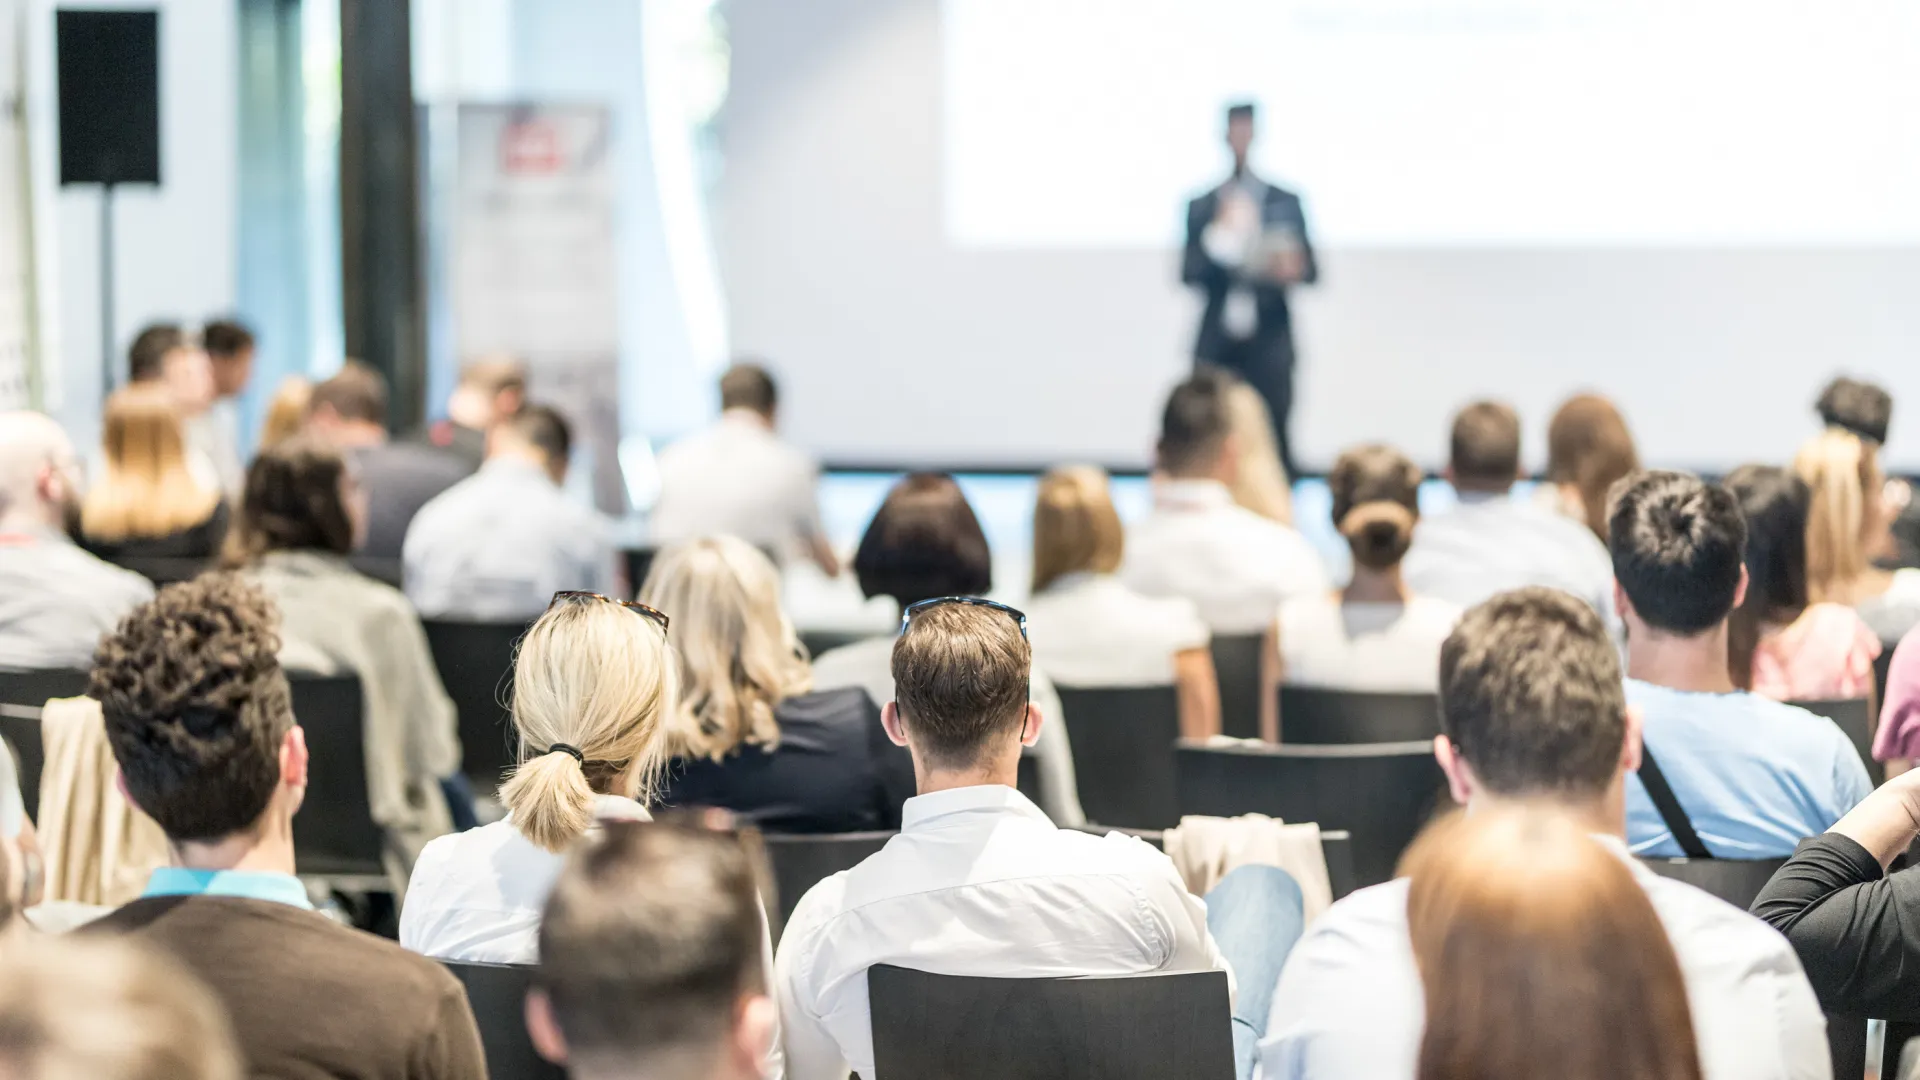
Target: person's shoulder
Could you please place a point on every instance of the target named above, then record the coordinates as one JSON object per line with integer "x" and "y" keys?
{"x": 1704, "y": 927}
{"x": 1434, "y": 611}
{"x": 1356, "y": 927}
{"x": 831, "y": 706}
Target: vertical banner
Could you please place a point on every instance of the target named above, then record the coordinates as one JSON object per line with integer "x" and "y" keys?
{"x": 16, "y": 253}
{"x": 533, "y": 266}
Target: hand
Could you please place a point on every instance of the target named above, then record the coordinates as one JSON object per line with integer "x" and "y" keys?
{"x": 1287, "y": 266}
{"x": 1236, "y": 212}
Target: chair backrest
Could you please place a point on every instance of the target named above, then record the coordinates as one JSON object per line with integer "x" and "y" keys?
{"x": 637, "y": 561}
{"x": 497, "y": 994}
{"x": 1236, "y": 665}
{"x": 1381, "y": 793}
{"x": 801, "y": 862}
{"x": 1314, "y": 715}
{"x": 1122, "y": 740}
{"x": 1855, "y": 717}
{"x": 22, "y": 695}
{"x": 334, "y": 834}
{"x": 475, "y": 661}
{"x": 1146, "y": 1027}
{"x": 1737, "y": 881}
{"x": 825, "y": 641}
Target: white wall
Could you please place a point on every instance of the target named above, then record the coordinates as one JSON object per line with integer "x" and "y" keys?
{"x": 901, "y": 347}
{"x": 175, "y": 245}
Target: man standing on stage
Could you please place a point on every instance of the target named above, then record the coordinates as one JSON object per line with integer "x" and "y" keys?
{"x": 1246, "y": 244}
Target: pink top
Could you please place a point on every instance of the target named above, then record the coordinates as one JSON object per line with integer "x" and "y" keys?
{"x": 1826, "y": 654}
{"x": 1899, "y": 735}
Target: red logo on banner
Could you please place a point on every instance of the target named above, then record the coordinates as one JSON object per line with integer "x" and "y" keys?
{"x": 531, "y": 146}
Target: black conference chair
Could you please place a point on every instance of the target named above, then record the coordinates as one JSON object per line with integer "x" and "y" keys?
{"x": 637, "y": 562}
{"x": 1856, "y": 719}
{"x": 1146, "y": 1027}
{"x": 1236, "y": 665}
{"x": 1737, "y": 881}
{"x": 22, "y": 695}
{"x": 800, "y": 862}
{"x": 475, "y": 661}
{"x": 825, "y": 641}
{"x": 497, "y": 994}
{"x": 1380, "y": 793}
{"x": 1123, "y": 753}
{"x": 1315, "y": 716}
{"x": 379, "y": 568}
{"x": 334, "y": 834}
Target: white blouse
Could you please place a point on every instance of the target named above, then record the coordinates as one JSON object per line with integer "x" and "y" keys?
{"x": 1382, "y": 648}
{"x": 1093, "y": 630}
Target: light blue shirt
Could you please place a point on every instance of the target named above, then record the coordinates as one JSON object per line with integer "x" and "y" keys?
{"x": 1755, "y": 776}
{"x": 1493, "y": 543}
{"x": 250, "y": 884}
{"x": 497, "y": 546}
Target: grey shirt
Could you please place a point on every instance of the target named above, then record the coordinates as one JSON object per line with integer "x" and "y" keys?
{"x": 56, "y": 601}
{"x": 1492, "y": 543}
{"x": 497, "y": 546}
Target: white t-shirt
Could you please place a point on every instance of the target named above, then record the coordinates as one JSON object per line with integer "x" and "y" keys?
{"x": 1091, "y": 630}
{"x": 1896, "y": 611}
{"x": 1381, "y": 648}
{"x": 1234, "y": 565}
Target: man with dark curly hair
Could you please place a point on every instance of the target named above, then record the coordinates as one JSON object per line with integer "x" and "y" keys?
{"x": 201, "y": 722}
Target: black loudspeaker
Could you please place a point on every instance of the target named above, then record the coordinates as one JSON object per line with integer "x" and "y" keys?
{"x": 109, "y": 96}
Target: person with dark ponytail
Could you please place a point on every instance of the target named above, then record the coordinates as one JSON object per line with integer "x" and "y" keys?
{"x": 1374, "y": 634}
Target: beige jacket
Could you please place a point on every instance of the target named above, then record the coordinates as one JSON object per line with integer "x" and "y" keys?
{"x": 98, "y": 847}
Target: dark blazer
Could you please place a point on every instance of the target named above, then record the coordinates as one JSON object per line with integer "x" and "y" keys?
{"x": 195, "y": 543}
{"x": 399, "y": 478}
{"x": 834, "y": 771}
{"x": 1280, "y": 208}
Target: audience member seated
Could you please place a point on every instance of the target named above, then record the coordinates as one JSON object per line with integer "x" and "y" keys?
{"x": 1090, "y": 629}
{"x": 1379, "y": 633}
{"x": 979, "y": 882}
{"x": 287, "y": 411}
{"x": 1897, "y": 742}
{"x": 924, "y": 542}
{"x": 1753, "y": 777}
{"x": 108, "y": 1010}
{"x": 739, "y": 478}
{"x": 1854, "y": 924}
{"x": 1848, "y": 522}
{"x": 298, "y": 520}
{"x": 1781, "y": 646}
{"x": 1534, "y": 715}
{"x": 1589, "y": 449}
{"x": 201, "y": 721}
{"x": 165, "y": 357}
{"x": 350, "y": 411}
{"x": 1233, "y": 564}
{"x": 495, "y": 546}
{"x": 55, "y": 599}
{"x": 230, "y": 347}
{"x": 490, "y": 389}
{"x": 1260, "y": 481}
{"x": 1492, "y": 542}
{"x": 750, "y": 735}
{"x": 650, "y": 961}
{"x": 1866, "y": 410}
{"x": 147, "y": 503}
{"x": 593, "y": 684}
{"x": 1540, "y": 956}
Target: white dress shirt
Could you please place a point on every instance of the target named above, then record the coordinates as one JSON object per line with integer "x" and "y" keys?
{"x": 869, "y": 665}
{"x": 1493, "y": 543}
{"x": 1092, "y": 630}
{"x": 737, "y": 478}
{"x": 497, "y": 546}
{"x": 1233, "y": 564}
{"x": 978, "y": 882}
{"x": 1350, "y": 1002}
{"x": 1364, "y": 647}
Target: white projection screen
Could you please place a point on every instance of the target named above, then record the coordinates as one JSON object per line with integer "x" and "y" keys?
{"x": 954, "y": 226}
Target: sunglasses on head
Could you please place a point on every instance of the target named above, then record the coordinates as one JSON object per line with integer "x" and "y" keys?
{"x": 575, "y": 596}
{"x": 906, "y": 617}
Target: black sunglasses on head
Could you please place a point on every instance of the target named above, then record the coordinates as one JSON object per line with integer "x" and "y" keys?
{"x": 571, "y": 596}
{"x": 906, "y": 617}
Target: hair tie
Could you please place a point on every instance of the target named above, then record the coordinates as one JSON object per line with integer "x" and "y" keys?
{"x": 563, "y": 748}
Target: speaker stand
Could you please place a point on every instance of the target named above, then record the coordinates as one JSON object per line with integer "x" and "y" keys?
{"x": 107, "y": 364}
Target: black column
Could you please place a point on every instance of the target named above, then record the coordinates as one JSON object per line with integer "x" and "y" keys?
{"x": 380, "y": 243}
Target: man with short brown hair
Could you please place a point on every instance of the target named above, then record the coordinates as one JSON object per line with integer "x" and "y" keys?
{"x": 980, "y": 882}
{"x": 1493, "y": 542}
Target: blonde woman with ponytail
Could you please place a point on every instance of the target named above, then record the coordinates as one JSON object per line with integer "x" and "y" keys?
{"x": 750, "y": 735}
{"x": 1848, "y": 521}
{"x": 1375, "y": 634}
{"x": 593, "y": 686}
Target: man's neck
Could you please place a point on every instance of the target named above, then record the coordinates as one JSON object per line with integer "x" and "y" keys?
{"x": 268, "y": 850}
{"x": 519, "y": 455}
{"x": 668, "y": 1066}
{"x": 927, "y": 781}
{"x": 1605, "y": 816}
{"x": 1471, "y": 492}
{"x": 33, "y": 517}
{"x": 1697, "y": 664}
{"x": 748, "y": 416}
{"x": 357, "y": 435}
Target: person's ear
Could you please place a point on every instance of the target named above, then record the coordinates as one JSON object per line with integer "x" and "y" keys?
{"x": 1460, "y": 780}
{"x": 1740, "y": 591}
{"x": 293, "y": 762}
{"x": 544, "y": 1029}
{"x": 1030, "y": 725}
{"x": 890, "y": 721}
{"x": 1621, "y": 604}
{"x": 1630, "y": 746}
{"x": 754, "y": 1029}
{"x": 1228, "y": 464}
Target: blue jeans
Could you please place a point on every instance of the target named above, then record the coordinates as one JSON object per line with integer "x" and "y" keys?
{"x": 1255, "y": 915}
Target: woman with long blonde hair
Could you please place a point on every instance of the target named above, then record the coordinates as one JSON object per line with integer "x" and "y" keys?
{"x": 148, "y": 504}
{"x": 1847, "y": 521}
{"x": 1541, "y": 956}
{"x": 750, "y": 735}
{"x": 1089, "y": 628}
{"x": 594, "y": 683}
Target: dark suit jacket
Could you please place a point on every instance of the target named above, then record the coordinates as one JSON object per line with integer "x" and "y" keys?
{"x": 1197, "y": 268}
